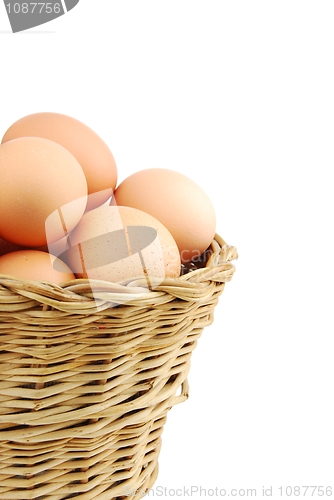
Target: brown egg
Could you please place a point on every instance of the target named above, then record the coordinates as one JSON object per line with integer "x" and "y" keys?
{"x": 175, "y": 200}
{"x": 35, "y": 265}
{"x": 87, "y": 147}
{"x": 43, "y": 191}
{"x": 119, "y": 244}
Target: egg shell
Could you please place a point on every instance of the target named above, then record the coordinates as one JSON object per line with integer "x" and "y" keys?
{"x": 121, "y": 244}
{"x": 43, "y": 191}
{"x": 35, "y": 265}
{"x": 93, "y": 154}
{"x": 179, "y": 203}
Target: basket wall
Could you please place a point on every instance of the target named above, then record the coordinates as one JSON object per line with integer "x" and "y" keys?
{"x": 89, "y": 371}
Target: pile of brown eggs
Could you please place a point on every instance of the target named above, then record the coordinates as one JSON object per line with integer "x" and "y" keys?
{"x": 64, "y": 216}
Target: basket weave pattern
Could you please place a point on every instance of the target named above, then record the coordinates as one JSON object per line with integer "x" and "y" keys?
{"x": 87, "y": 378}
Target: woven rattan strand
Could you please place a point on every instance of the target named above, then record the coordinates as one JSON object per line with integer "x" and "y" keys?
{"x": 89, "y": 371}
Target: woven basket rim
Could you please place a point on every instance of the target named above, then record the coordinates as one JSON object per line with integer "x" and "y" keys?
{"x": 68, "y": 295}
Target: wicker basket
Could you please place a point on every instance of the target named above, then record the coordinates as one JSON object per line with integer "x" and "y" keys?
{"x": 87, "y": 378}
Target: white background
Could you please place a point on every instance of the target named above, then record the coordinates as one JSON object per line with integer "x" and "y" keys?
{"x": 239, "y": 97}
